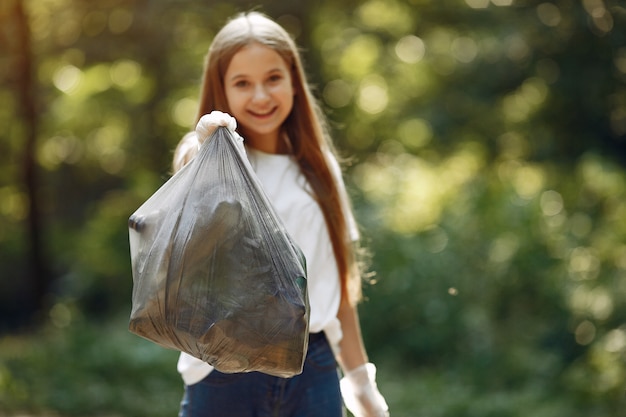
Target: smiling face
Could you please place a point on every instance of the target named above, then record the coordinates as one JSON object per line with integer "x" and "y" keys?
{"x": 260, "y": 95}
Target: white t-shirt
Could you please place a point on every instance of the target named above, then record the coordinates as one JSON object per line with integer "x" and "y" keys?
{"x": 287, "y": 189}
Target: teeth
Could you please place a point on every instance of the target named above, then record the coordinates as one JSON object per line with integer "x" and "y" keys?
{"x": 262, "y": 114}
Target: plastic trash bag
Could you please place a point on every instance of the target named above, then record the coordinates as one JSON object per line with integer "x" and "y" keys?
{"x": 215, "y": 273}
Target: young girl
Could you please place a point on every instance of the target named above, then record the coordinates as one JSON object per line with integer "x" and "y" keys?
{"x": 254, "y": 73}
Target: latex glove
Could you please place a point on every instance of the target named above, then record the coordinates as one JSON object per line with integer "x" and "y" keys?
{"x": 210, "y": 122}
{"x": 360, "y": 392}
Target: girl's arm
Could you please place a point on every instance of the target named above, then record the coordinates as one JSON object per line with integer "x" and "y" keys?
{"x": 358, "y": 386}
{"x": 185, "y": 151}
{"x": 351, "y": 349}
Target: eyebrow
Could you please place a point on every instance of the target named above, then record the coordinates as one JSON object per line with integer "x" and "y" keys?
{"x": 273, "y": 70}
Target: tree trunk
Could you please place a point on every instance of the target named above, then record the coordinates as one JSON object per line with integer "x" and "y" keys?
{"x": 27, "y": 108}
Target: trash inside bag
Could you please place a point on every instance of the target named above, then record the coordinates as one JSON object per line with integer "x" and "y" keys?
{"x": 215, "y": 274}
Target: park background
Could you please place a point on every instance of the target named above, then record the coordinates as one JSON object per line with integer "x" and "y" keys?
{"x": 487, "y": 149}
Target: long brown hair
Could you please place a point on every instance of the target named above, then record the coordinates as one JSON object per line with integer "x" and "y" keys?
{"x": 305, "y": 128}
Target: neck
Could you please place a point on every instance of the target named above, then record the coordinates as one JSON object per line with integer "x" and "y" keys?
{"x": 273, "y": 144}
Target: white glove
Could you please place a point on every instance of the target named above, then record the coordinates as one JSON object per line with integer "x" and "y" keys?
{"x": 360, "y": 392}
{"x": 210, "y": 122}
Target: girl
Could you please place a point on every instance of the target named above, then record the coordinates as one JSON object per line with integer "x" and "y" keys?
{"x": 254, "y": 73}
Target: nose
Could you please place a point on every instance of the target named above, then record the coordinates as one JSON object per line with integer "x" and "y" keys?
{"x": 260, "y": 94}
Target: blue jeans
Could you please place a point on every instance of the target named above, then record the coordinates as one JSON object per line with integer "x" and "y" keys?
{"x": 313, "y": 393}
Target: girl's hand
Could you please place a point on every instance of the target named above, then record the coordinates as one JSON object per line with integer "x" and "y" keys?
{"x": 360, "y": 392}
{"x": 210, "y": 122}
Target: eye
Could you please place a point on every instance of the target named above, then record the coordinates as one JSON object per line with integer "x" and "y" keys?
{"x": 275, "y": 78}
{"x": 240, "y": 84}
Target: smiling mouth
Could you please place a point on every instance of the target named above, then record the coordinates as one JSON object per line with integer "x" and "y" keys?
{"x": 262, "y": 115}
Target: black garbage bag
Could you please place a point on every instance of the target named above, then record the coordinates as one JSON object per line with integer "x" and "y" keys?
{"x": 215, "y": 274}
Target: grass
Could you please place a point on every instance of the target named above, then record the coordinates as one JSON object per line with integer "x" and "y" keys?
{"x": 89, "y": 368}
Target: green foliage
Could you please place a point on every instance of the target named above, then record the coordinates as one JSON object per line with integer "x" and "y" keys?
{"x": 512, "y": 293}
{"x": 78, "y": 368}
{"x": 488, "y": 176}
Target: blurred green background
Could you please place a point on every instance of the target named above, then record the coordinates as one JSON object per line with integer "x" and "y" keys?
{"x": 487, "y": 140}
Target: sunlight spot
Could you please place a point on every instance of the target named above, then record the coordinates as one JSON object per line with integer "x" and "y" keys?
{"x": 113, "y": 162}
{"x": 337, "y": 93}
{"x": 142, "y": 91}
{"x": 410, "y": 49}
{"x": 411, "y": 193}
{"x": 477, "y": 4}
{"x": 528, "y": 181}
{"x": 414, "y": 202}
{"x": 373, "y": 97}
{"x": 453, "y": 291}
{"x": 513, "y": 145}
{"x": 503, "y": 248}
{"x": 585, "y": 333}
{"x": 106, "y": 139}
{"x": 97, "y": 79}
{"x": 602, "y": 177}
{"x": 60, "y": 149}
{"x": 507, "y": 170}
{"x": 60, "y": 315}
{"x": 13, "y": 203}
{"x": 415, "y": 133}
{"x": 604, "y": 22}
{"x": 615, "y": 341}
{"x": 464, "y": 49}
{"x": 551, "y": 203}
{"x": 527, "y": 99}
{"x": 463, "y": 165}
{"x": 105, "y": 144}
{"x": 578, "y": 299}
{"x": 125, "y": 73}
{"x": 502, "y": 2}
{"x": 600, "y": 16}
{"x": 184, "y": 112}
{"x": 375, "y": 180}
{"x": 514, "y": 109}
{"x": 595, "y": 8}
{"x": 360, "y": 57}
{"x": 549, "y": 14}
{"x": 580, "y": 225}
{"x": 620, "y": 60}
{"x": 516, "y": 48}
{"x": 439, "y": 43}
{"x": 555, "y": 222}
{"x": 601, "y": 304}
{"x": 67, "y": 78}
{"x": 583, "y": 264}
{"x": 596, "y": 302}
{"x": 534, "y": 90}
{"x": 390, "y": 15}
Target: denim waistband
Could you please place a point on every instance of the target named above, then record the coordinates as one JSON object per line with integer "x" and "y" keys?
{"x": 314, "y": 337}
